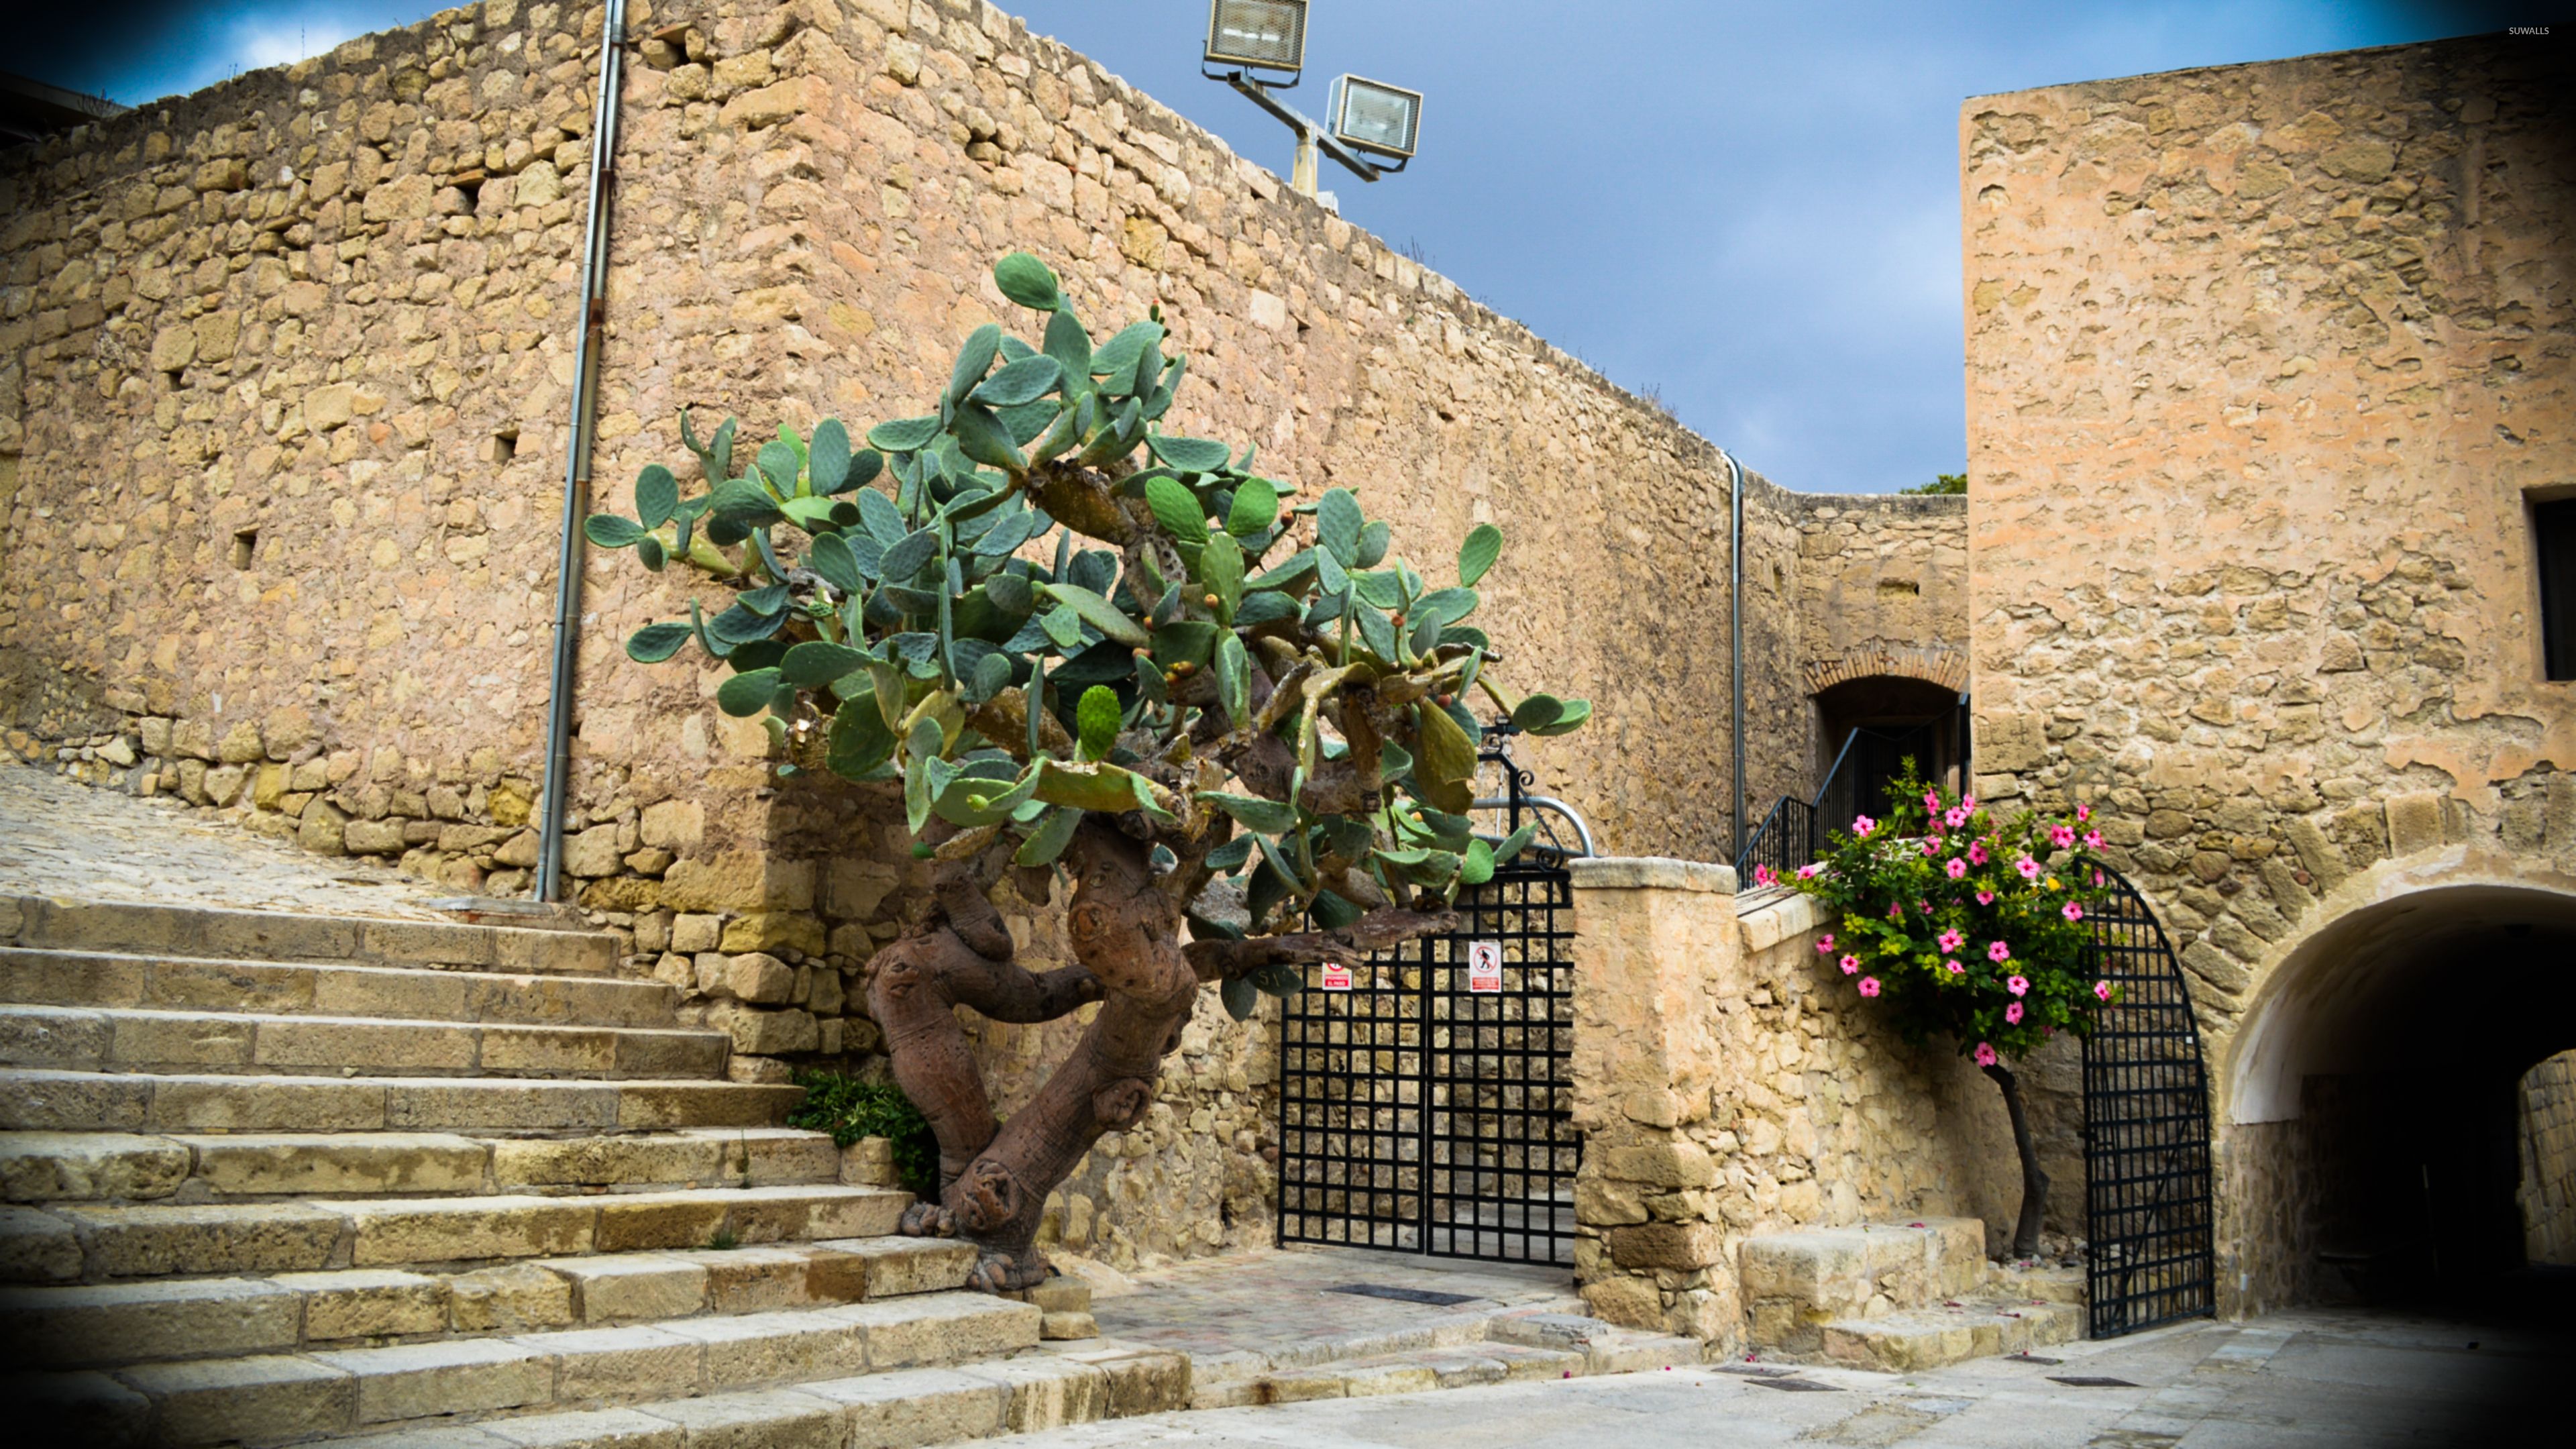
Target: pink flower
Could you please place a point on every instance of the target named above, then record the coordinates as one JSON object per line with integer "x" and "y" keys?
{"x": 1762, "y": 876}
{"x": 2092, "y": 840}
{"x": 1895, "y": 912}
{"x": 1851, "y": 965}
{"x": 1977, "y": 853}
{"x": 1862, "y": 825}
{"x": 1954, "y": 818}
{"x": 2012, "y": 1014}
{"x": 2071, "y": 911}
{"x": 1869, "y": 986}
{"x": 2102, "y": 990}
{"x": 1956, "y": 867}
{"x": 2028, "y": 867}
{"x": 2100, "y": 879}
{"x": 1825, "y": 943}
{"x": 1952, "y": 940}
{"x": 2017, "y": 985}
{"x": 2061, "y": 836}
{"x": 1932, "y": 801}
{"x": 1967, "y": 802}
{"x": 1955, "y": 968}
{"x": 1985, "y": 1055}
{"x": 1998, "y": 951}
{"x": 1985, "y": 898}
{"x": 1810, "y": 872}
{"x": 1931, "y": 845}
{"x": 2083, "y": 812}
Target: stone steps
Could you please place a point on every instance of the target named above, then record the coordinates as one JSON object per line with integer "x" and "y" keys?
{"x": 131, "y": 1167}
{"x": 1795, "y": 1283}
{"x": 125, "y": 1039}
{"x": 206, "y": 931}
{"x": 49, "y": 1101}
{"x": 690, "y": 1372}
{"x": 231, "y": 1317}
{"x": 94, "y": 1244}
{"x": 1924, "y": 1338}
{"x": 47, "y": 977}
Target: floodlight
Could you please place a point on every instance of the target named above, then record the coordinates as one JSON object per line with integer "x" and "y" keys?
{"x": 1374, "y": 116}
{"x": 1270, "y": 34}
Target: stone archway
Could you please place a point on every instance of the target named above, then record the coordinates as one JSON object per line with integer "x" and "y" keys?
{"x": 2368, "y": 1101}
{"x": 1886, "y": 704}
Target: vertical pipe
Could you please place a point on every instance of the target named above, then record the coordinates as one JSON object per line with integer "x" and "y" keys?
{"x": 1735, "y": 619}
{"x": 576, "y": 497}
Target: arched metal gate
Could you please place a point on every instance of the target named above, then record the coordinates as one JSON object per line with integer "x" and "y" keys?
{"x": 2149, "y": 1208}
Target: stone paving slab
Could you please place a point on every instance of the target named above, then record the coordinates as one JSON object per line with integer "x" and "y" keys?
{"x": 64, "y": 839}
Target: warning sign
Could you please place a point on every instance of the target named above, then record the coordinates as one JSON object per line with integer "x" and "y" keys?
{"x": 1485, "y": 966}
{"x": 1337, "y": 977}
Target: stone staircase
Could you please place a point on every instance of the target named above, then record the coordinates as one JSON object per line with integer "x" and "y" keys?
{"x": 1900, "y": 1296}
{"x": 271, "y": 1178}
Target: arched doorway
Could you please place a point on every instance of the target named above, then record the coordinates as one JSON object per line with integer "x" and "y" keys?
{"x": 1868, "y": 727}
{"x": 2374, "y": 1094}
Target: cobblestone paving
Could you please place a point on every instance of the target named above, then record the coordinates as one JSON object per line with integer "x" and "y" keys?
{"x": 1275, "y": 1304}
{"x": 64, "y": 839}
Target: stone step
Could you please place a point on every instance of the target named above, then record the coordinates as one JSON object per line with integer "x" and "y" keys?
{"x": 711, "y": 1380}
{"x": 126, "y": 1039}
{"x": 58, "y": 1167}
{"x": 1050, "y": 1388}
{"x": 94, "y": 1244}
{"x": 283, "y": 936}
{"x": 196, "y": 1318}
{"x": 49, "y": 1101}
{"x": 189, "y": 983}
{"x": 1926, "y": 1338}
{"x": 1794, "y": 1282}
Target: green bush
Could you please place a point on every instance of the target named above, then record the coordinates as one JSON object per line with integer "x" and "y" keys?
{"x": 850, "y": 1109}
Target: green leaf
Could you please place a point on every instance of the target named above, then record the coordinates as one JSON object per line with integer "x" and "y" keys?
{"x": 1068, "y": 344}
{"x": 1024, "y": 381}
{"x": 747, "y": 694}
{"x": 1536, "y": 712}
{"x": 1332, "y": 912}
{"x": 1229, "y": 857}
{"x": 904, "y": 435}
{"x": 1270, "y": 817}
{"x": 1098, "y": 718}
{"x": 992, "y": 675}
{"x": 657, "y": 496}
{"x": 1484, "y": 545}
{"x": 1279, "y": 979}
{"x": 648, "y": 551}
{"x": 972, "y": 801}
{"x": 1094, "y": 786}
{"x": 1265, "y": 607}
{"x": 1514, "y": 843}
{"x": 610, "y": 531}
{"x": 1447, "y": 605}
{"x": 830, "y": 556}
{"x": 827, "y": 457}
{"x": 906, "y": 559}
{"x": 1291, "y": 576}
{"x": 973, "y": 361}
{"x": 1477, "y": 866}
{"x": 819, "y": 662}
{"x": 1190, "y": 455}
{"x": 1221, "y": 568}
{"x": 1373, "y": 544}
{"x": 1098, "y": 612}
{"x": 1445, "y": 765}
{"x": 812, "y": 514}
{"x": 1234, "y": 679}
{"x": 1176, "y": 508}
{"x": 1026, "y": 280}
{"x": 779, "y": 464}
{"x": 1575, "y": 713}
{"x": 1051, "y": 838}
{"x": 1117, "y": 357}
{"x": 984, "y": 438}
{"x": 1256, "y": 507}
{"x": 1184, "y": 641}
{"x": 859, "y": 744}
{"x": 921, "y": 752}
{"x": 656, "y": 642}
{"x": 742, "y": 501}
{"x": 738, "y": 625}
{"x": 883, "y": 521}
{"x": 764, "y": 601}
{"x": 1337, "y": 526}
{"x": 1062, "y": 625}
{"x": 1241, "y": 997}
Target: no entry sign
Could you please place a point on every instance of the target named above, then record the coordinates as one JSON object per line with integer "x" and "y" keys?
{"x": 1337, "y": 977}
{"x": 1485, "y": 967}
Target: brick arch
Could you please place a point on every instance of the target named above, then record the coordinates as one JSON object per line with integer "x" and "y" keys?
{"x": 1936, "y": 664}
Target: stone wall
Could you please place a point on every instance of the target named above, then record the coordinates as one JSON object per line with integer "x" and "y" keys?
{"x": 2548, "y": 1138}
{"x": 284, "y": 373}
{"x": 2263, "y": 364}
{"x": 1728, "y": 1083}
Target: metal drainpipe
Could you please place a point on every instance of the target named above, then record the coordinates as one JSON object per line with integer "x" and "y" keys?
{"x": 1735, "y": 618}
{"x": 576, "y": 499}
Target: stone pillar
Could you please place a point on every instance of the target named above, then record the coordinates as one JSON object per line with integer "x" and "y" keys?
{"x": 1656, "y": 947}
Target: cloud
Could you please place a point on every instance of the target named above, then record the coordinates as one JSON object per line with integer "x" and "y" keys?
{"x": 260, "y": 41}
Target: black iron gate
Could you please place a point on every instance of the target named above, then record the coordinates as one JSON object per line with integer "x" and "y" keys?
{"x": 1425, "y": 1104}
{"x": 2149, "y": 1208}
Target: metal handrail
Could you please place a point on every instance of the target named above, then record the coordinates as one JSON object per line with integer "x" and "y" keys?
{"x": 1582, "y": 831}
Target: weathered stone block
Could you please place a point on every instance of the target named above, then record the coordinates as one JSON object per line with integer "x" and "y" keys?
{"x": 1686, "y": 1247}
{"x": 360, "y": 1303}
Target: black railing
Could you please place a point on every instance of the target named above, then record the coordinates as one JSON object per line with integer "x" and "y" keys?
{"x": 1785, "y": 841}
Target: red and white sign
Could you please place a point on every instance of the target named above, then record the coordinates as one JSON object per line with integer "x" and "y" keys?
{"x": 1485, "y": 967}
{"x": 1337, "y": 977}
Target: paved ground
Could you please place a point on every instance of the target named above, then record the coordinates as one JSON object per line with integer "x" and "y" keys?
{"x": 61, "y": 838}
{"x": 2343, "y": 1378}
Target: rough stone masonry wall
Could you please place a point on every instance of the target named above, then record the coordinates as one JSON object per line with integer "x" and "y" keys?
{"x": 2263, "y": 364}
{"x": 2548, "y": 1142}
{"x": 284, "y": 368}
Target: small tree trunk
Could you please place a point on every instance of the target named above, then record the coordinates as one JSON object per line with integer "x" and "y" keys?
{"x": 2034, "y": 1183}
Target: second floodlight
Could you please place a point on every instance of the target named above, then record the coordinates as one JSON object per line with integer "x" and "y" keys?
{"x": 1374, "y": 116}
{"x": 1265, "y": 34}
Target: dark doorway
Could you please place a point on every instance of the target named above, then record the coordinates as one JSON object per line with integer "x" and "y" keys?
{"x": 1869, "y": 728}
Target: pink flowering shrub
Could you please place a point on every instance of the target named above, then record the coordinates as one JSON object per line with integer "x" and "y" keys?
{"x": 1966, "y": 924}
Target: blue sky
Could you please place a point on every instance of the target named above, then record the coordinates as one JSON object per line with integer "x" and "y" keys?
{"x": 1750, "y": 209}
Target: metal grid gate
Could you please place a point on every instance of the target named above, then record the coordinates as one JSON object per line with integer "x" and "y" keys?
{"x": 2148, "y": 1203}
{"x": 1419, "y": 1115}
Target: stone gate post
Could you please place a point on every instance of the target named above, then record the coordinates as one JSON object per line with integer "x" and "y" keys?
{"x": 1656, "y": 947}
